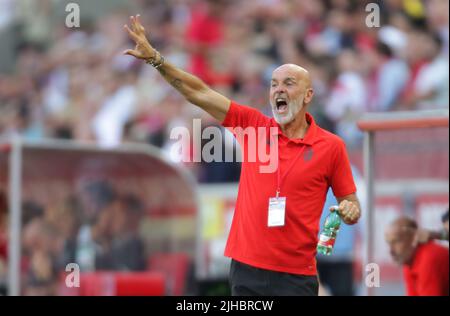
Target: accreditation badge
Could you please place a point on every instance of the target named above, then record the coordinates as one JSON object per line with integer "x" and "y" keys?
{"x": 277, "y": 212}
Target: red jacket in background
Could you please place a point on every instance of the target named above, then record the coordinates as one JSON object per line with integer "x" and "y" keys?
{"x": 428, "y": 273}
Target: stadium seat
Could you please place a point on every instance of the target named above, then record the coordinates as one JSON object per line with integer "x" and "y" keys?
{"x": 117, "y": 284}
{"x": 175, "y": 267}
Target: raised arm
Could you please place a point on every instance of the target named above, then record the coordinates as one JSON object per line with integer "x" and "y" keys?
{"x": 191, "y": 87}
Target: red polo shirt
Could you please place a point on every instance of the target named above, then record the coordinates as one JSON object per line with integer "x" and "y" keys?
{"x": 428, "y": 273}
{"x": 323, "y": 163}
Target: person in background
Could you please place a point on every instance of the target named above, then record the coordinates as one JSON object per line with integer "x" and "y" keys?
{"x": 425, "y": 266}
{"x": 425, "y": 235}
{"x": 127, "y": 249}
{"x": 431, "y": 89}
{"x": 387, "y": 78}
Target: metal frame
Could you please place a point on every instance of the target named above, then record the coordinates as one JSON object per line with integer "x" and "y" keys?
{"x": 370, "y": 124}
{"x": 15, "y": 197}
{"x": 17, "y": 145}
{"x": 369, "y": 168}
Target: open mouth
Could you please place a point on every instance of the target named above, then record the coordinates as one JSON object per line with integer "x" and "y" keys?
{"x": 281, "y": 105}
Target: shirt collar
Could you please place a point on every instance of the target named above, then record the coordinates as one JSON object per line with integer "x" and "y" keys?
{"x": 310, "y": 135}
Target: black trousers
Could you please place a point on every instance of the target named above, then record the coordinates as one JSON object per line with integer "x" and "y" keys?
{"x": 338, "y": 276}
{"x": 246, "y": 280}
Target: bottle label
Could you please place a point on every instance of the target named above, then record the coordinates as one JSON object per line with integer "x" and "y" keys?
{"x": 326, "y": 241}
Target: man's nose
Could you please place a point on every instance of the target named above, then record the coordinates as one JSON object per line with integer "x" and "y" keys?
{"x": 279, "y": 90}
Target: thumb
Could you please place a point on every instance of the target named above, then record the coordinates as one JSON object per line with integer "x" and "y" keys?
{"x": 131, "y": 52}
{"x": 334, "y": 208}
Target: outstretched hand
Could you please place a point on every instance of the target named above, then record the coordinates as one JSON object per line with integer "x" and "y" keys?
{"x": 143, "y": 49}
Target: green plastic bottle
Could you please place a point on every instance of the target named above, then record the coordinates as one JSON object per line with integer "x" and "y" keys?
{"x": 328, "y": 235}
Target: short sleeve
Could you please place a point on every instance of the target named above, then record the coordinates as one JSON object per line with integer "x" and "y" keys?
{"x": 341, "y": 179}
{"x": 244, "y": 116}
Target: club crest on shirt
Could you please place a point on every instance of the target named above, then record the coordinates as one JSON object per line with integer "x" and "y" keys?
{"x": 307, "y": 156}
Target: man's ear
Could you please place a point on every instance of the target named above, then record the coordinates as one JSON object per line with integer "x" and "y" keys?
{"x": 308, "y": 96}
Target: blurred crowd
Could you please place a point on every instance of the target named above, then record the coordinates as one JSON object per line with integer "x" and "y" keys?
{"x": 74, "y": 83}
{"x": 99, "y": 230}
